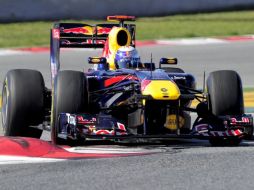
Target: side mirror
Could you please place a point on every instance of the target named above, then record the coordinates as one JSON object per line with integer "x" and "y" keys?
{"x": 168, "y": 61}
{"x": 97, "y": 60}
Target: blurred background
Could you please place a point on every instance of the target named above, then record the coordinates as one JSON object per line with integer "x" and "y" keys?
{"x": 28, "y": 10}
{"x": 26, "y": 23}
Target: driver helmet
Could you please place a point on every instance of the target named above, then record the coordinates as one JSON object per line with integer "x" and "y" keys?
{"x": 127, "y": 57}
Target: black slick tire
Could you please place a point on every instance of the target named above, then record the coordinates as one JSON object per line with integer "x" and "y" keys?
{"x": 22, "y": 103}
{"x": 225, "y": 97}
{"x": 70, "y": 95}
{"x": 225, "y": 93}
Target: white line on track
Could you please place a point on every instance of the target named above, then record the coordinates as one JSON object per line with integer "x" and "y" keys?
{"x": 107, "y": 150}
{"x": 4, "y": 160}
{"x": 192, "y": 41}
{"x": 7, "y": 52}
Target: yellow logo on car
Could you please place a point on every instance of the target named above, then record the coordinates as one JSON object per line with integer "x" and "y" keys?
{"x": 171, "y": 122}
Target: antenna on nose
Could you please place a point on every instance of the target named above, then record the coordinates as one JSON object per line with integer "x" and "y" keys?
{"x": 151, "y": 65}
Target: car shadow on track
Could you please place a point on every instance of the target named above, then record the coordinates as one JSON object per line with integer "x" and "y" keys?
{"x": 150, "y": 144}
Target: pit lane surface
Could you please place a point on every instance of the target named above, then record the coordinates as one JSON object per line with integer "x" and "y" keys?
{"x": 185, "y": 164}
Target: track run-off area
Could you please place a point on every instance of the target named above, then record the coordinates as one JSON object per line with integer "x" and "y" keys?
{"x": 172, "y": 164}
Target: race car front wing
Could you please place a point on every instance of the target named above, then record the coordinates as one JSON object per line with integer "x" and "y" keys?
{"x": 82, "y": 125}
{"x": 104, "y": 126}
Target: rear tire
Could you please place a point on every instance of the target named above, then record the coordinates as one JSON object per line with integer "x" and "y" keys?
{"x": 70, "y": 95}
{"x": 225, "y": 98}
{"x": 22, "y": 103}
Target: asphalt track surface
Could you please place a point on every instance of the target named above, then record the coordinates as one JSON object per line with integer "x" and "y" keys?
{"x": 182, "y": 164}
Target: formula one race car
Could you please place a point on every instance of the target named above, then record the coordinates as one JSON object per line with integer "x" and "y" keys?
{"x": 113, "y": 102}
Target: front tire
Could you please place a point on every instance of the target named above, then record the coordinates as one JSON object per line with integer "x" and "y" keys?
{"x": 70, "y": 95}
{"x": 225, "y": 93}
{"x": 22, "y": 103}
{"x": 225, "y": 98}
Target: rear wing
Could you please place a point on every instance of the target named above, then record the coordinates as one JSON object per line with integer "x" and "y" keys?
{"x": 76, "y": 35}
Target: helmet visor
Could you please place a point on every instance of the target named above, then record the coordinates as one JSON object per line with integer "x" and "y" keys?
{"x": 129, "y": 62}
